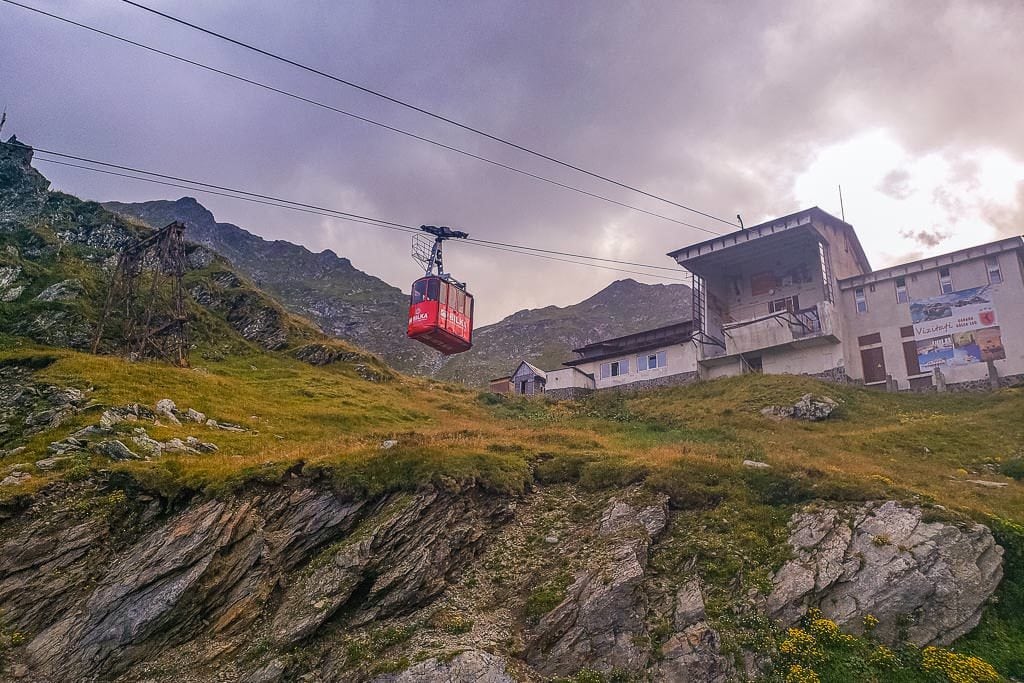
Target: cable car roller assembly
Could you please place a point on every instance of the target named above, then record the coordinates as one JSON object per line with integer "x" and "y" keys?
{"x": 440, "y": 308}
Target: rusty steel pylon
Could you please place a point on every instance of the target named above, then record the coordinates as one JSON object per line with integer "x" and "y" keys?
{"x": 153, "y": 314}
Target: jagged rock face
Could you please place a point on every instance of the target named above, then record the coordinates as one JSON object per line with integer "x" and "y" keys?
{"x": 215, "y": 564}
{"x": 22, "y": 188}
{"x": 603, "y": 616}
{"x": 466, "y": 667}
{"x": 885, "y": 561}
{"x": 414, "y": 545}
{"x": 692, "y": 654}
{"x": 269, "y": 585}
{"x": 210, "y": 572}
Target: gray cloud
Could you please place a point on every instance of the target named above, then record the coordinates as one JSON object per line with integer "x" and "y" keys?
{"x": 896, "y": 184}
{"x": 717, "y": 104}
{"x": 927, "y": 238}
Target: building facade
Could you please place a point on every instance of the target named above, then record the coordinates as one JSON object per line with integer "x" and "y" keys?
{"x": 796, "y": 295}
{"x": 528, "y": 380}
{"x": 652, "y": 358}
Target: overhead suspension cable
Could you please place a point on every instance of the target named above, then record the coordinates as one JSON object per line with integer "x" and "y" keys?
{"x": 338, "y": 213}
{"x": 424, "y": 111}
{"x": 232, "y": 193}
{"x": 357, "y": 117}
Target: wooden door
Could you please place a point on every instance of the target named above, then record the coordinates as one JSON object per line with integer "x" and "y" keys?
{"x": 873, "y": 361}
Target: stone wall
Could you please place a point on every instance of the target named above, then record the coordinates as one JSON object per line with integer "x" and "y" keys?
{"x": 837, "y": 375}
{"x": 567, "y": 393}
{"x": 657, "y": 382}
{"x": 571, "y": 393}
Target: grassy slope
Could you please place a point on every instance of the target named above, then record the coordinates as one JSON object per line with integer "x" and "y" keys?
{"x": 687, "y": 441}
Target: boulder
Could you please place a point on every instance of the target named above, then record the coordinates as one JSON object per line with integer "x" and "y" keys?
{"x": 882, "y": 559}
{"x": 15, "y": 479}
{"x": 200, "y": 446}
{"x": 53, "y": 462}
{"x": 601, "y": 623}
{"x": 165, "y": 407}
{"x": 195, "y": 416}
{"x": 756, "y": 465}
{"x": 808, "y": 407}
{"x": 115, "y": 450}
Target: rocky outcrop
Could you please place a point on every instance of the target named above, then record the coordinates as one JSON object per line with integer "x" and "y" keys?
{"x": 601, "y": 623}
{"x": 28, "y": 407}
{"x": 471, "y": 666}
{"x": 412, "y": 546}
{"x": 283, "y": 562}
{"x": 930, "y": 579}
{"x": 209, "y": 569}
{"x": 692, "y": 654}
{"x": 808, "y": 407}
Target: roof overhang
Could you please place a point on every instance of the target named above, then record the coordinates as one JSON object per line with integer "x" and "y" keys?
{"x": 710, "y": 254}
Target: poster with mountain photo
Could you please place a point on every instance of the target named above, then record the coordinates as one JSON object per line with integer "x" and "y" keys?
{"x": 955, "y": 329}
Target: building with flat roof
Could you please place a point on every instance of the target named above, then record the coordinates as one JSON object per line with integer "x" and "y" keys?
{"x": 796, "y": 295}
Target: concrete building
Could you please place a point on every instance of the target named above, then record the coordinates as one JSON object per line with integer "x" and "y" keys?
{"x": 796, "y": 295}
{"x": 569, "y": 382}
{"x": 658, "y": 357}
{"x": 960, "y": 315}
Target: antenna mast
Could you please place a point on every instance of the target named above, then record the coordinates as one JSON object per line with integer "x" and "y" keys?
{"x": 842, "y": 209}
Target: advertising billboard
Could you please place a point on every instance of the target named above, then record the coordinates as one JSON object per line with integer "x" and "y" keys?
{"x": 958, "y": 328}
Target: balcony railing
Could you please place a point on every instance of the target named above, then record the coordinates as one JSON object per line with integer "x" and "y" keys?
{"x": 778, "y": 329}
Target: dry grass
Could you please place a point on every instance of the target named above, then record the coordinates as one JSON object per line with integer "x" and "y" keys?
{"x": 330, "y": 420}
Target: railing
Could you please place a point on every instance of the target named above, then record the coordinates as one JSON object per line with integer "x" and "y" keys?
{"x": 776, "y": 329}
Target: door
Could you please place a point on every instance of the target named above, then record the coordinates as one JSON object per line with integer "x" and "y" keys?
{"x": 873, "y": 361}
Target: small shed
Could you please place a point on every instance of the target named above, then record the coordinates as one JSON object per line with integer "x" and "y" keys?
{"x": 528, "y": 380}
{"x": 500, "y": 385}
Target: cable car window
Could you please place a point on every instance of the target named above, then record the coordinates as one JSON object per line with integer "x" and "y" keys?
{"x": 419, "y": 291}
{"x": 432, "y": 294}
{"x": 443, "y": 294}
{"x": 462, "y": 302}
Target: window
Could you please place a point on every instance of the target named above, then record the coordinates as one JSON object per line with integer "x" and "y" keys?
{"x": 419, "y": 291}
{"x": 826, "y": 268}
{"x": 861, "y": 302}
{"x": 651, "y": 361}
{"x": 901, "y": 291}
{"x": 995, "y": 276}
{"x": 614, "y": 369}
{"x": 945, "y": 281}
{"x": 790, "y": 303}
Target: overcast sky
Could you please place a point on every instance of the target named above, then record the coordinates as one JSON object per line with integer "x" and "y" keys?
{"x": 757, "y": 108}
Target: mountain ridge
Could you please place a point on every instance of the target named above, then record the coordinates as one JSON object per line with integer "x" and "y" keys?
{"x": 361, "y": 308}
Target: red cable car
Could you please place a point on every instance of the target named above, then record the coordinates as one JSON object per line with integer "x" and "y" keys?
{"x": 440, "y": 308}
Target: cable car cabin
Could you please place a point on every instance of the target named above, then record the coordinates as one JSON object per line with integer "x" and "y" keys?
{"x": 441, "y": 315}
